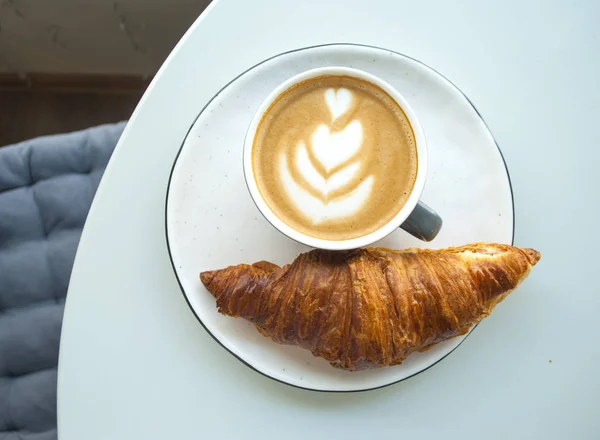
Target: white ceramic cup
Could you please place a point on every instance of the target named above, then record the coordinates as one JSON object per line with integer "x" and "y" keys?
{"x": 414, "y": 217}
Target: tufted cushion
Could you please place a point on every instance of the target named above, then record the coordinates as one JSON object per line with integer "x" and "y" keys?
{"x": 46, "y": 188}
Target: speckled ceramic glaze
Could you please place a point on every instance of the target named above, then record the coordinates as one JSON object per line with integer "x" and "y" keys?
{"x": 212, "y": 221}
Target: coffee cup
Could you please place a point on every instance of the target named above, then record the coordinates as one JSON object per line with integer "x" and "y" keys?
{"x": 335, "y": 158}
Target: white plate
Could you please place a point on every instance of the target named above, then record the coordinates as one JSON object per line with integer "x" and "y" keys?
{"x": 212, "y": 222}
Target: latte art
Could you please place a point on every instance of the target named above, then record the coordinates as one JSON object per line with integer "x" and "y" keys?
{"x": 333, "y": 151}
{"x": 334, "y": 157}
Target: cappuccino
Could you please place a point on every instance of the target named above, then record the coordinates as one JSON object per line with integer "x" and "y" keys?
{"x": 334, "y": 157}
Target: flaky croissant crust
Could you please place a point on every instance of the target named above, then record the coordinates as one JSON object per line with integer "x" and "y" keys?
{"x": 371, "y": 307}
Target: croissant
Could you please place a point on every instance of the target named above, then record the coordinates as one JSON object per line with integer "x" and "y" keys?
{"x": 371, "y": 307}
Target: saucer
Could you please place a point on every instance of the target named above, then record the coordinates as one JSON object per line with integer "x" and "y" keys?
{"x": 212, "y": 223}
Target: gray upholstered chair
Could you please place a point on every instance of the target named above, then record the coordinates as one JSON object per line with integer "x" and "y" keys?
{"x": 46, "y": 188}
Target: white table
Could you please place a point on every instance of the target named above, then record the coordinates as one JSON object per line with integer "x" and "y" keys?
{"x": 135, "y": 363}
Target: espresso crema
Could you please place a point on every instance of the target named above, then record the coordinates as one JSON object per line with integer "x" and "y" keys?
{"x": 334, "y": 157}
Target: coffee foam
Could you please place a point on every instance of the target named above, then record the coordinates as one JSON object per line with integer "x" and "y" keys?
{"x": 334, "y": 157}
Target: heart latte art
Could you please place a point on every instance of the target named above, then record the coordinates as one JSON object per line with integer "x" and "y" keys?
{"x": 334, "y": 157}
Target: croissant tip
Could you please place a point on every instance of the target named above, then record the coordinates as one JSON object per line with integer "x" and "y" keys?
{"x": 207, "y": 277}
{"x": 532, "y": 255}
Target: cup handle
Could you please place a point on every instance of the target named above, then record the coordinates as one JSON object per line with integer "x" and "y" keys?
{"x": 423, "y": 223}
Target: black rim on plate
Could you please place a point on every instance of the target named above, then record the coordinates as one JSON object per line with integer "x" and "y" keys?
{"x": 181, "y": 149}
